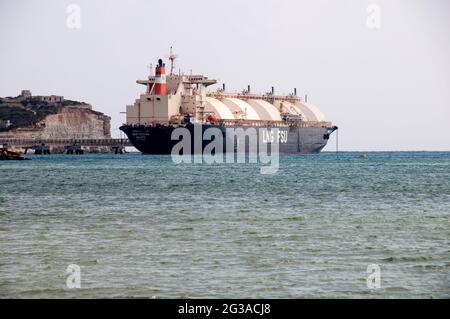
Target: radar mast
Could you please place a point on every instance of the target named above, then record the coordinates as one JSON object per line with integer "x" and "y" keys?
{"x": 172, "y": 58}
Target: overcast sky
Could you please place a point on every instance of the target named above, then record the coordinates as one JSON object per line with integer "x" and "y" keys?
{"x": 386, "y": 88}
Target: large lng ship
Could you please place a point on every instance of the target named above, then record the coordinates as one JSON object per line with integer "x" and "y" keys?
{"x": 183, "y": 101}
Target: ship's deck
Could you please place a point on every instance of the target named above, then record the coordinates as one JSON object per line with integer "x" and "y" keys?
{"x": 240, "y": 122}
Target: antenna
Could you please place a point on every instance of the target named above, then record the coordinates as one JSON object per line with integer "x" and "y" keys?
{"x": 172, "y": 57}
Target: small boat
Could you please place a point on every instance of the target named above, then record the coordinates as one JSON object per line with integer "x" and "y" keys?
{"x": 7, "y": 154}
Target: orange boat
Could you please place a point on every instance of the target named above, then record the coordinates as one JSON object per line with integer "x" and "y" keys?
{"x": 10, "y": 154}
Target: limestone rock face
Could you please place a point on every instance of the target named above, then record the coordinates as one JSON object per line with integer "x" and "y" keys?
{"x": 69, "y": 122}
{"x": 76, "y": 123}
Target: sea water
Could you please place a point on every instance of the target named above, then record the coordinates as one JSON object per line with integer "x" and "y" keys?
{"x": 143, "y": 226}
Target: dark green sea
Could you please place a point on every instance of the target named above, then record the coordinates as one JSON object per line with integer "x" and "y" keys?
{"x": 142, "y": 226}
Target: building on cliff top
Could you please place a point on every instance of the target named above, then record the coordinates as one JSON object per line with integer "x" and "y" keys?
{"x": 26, "y": 95}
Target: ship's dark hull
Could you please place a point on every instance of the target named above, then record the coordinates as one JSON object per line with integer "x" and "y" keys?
{"x": 293, "y": 140}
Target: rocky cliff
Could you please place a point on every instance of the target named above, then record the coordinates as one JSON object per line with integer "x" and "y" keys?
{"x": 72, "y": 122}
{"x": 60, "y": 122}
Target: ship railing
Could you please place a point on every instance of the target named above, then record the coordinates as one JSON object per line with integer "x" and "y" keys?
{"x": 294, "y": 123}
{"x": 242, "y": 122}
{"x": 242, "y": 96}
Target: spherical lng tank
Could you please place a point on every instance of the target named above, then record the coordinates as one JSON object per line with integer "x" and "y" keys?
{"x": 265, "y": 110}
{"x": 241, "y": 109}
{"x": 220, "y": 110}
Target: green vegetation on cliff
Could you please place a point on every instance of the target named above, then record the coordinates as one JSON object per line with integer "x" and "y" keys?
{"x": 25, "y": 113}
{"x": 29, "y": 112}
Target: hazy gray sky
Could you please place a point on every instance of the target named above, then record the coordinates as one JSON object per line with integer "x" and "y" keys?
{"x": 386, "y": 88}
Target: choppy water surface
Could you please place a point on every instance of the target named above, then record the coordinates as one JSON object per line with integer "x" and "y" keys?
{"x": 141, "y": 226}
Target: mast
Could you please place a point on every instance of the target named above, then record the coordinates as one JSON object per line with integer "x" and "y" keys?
{"x": 172, "y": 58}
